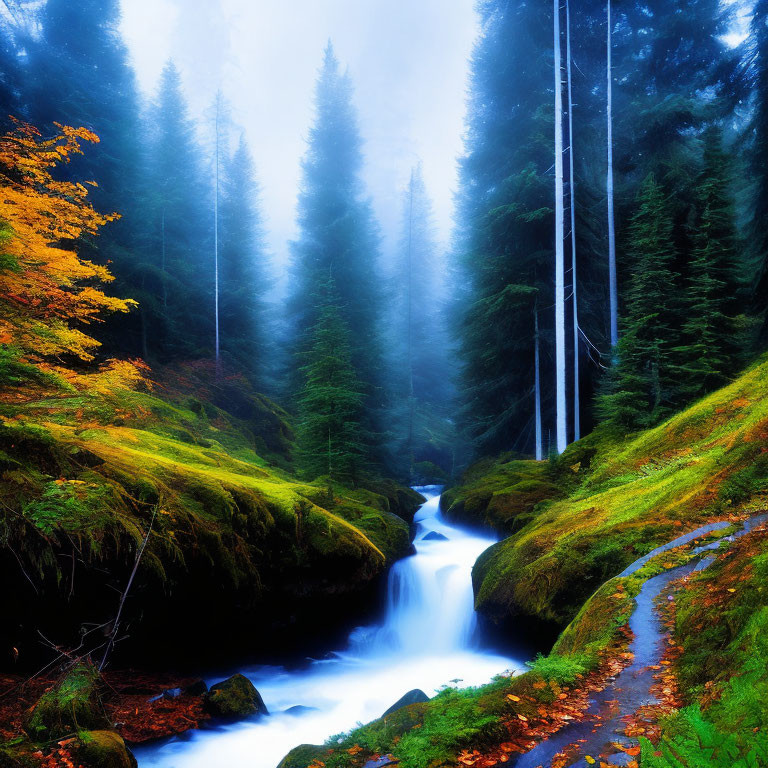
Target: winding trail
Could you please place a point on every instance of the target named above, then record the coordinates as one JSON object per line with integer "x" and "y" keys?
{"x": 603, "y": 725}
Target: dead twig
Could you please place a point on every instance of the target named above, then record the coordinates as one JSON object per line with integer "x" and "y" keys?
{"x": 116, "y": 625}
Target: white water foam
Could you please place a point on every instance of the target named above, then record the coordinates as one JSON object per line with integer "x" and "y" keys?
{"x": 427, "y": 640}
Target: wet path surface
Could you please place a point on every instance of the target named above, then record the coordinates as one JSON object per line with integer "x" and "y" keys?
{"x": 631, "y": 690}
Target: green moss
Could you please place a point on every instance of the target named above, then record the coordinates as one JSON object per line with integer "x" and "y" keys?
{"x": 302, "y": 756}
{"x": 103, "y": 749}
{"x": 18, "y": 753}
{"x": 234, "y": 697}
{"x": 71, "y": 705}
{"x": 634, "y": 496}
{"x": 502, "y": 495}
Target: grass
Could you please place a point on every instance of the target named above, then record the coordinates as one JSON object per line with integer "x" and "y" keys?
{"x": 631, "y": 496}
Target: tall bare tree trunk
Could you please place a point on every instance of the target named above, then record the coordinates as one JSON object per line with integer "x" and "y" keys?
{"x": 572, "y": 200}
{"x": 537, "y": 386}
{"x": 217, "y": 349}
{"x": 612, "y": 279}
{"x": 411, "y": 398}
{"x": 560, "y": 394}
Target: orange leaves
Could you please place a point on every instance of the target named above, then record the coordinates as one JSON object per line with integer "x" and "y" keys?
{"x": 45, "y": 287}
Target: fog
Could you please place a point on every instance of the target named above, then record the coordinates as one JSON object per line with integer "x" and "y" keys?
{"x": 408, "y": 62}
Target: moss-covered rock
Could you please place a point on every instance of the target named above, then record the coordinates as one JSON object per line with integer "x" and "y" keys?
{"x": 416, "y": 696}
{"x": 302, "y": 756}
{"x": 104, "y": 749}
{"x": 71, "y": 705}
{"x": 234, "y": 697}
{"x": 501, "y": 494}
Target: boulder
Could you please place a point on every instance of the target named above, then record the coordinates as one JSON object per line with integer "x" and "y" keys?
{"x": 233, "y": 698}
{"x": 416, "y": 696}
{"x": 302, "y": 756}
{"x": 104, "y": 749}
{"x": 435, "y": 536}
{"x": 299, "y": 710}
{"x": 72, "y": 705}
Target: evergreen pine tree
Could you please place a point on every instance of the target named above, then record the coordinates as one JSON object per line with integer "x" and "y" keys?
{"x": 179, "y": 221}
{"x": 420, "y": 343}
{"x": 757, "y": 244}
{"x": 243, "y": 270}
{"x": 80, "y": 75}
{"x": 338, "y": 236}
{"x": 331, "y": 439}
{"x": 710, "y": 350}
{"x": 506, "y": 227}
{"x": 642, "y": 386}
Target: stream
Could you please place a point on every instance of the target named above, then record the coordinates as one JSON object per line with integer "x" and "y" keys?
{"x": 428, "y": 638}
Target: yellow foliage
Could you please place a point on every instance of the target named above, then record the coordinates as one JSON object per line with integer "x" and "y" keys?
{"x": 46, "y": 289}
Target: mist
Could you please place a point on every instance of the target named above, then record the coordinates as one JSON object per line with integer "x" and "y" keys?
{"x": 408, "y": 61}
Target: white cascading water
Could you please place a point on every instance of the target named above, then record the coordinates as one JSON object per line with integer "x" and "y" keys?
{"x": 427, "y": 640}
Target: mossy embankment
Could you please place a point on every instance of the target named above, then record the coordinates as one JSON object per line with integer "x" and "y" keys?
{"x": 623, "y": 497}
{"x": 241, "y": 554}
{"x": 501, "y": 494}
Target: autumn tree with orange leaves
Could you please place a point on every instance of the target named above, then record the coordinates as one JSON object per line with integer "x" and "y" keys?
{"x": 48, "y": 294}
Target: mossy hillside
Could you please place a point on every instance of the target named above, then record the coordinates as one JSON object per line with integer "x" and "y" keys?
{"x": 501, "y": 494}
{"x": 631, "y": 496}
{"x": 232, "y": 533}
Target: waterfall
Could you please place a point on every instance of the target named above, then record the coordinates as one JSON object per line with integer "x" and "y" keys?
{"x": 427, "y": 638}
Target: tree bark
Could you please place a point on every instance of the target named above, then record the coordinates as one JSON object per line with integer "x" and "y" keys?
{"x": 612, "y": 278}
{"x": 560, "y": 394}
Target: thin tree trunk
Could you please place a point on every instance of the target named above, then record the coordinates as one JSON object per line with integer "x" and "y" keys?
{"x": 537, "y": 386}
{"x": 612, "y": 279}
{"x": 162, "y": 260}
{"x": 572, "y": 196}
{"x": 216, "y": 238}
{"x": 410, "y": 328}
{"x": 561, "y": 407}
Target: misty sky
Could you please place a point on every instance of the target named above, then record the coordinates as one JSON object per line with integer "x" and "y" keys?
{"x": 408, "y": 60}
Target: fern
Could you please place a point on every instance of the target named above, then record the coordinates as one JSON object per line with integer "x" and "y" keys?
{"x": 697, "y": 743}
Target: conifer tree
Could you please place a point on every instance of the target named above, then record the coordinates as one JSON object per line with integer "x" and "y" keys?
{"x": 337, "y": 232}
{"x": 420, "y": 357}
{"x": 331, "y": 440}
{"x": 642, "y": 386}
{"x": 757, "y": 81}
{"x": 243, "y": 270}
{"x": 77, "y": 72}
{"x": 179, "y": 231}
{"x": 80, "y": 75}
{"x": 338, "y": 236}
{"x": 710, "y": 350}
{"x": 505, "y": 243}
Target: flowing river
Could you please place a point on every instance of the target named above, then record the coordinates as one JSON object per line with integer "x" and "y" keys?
{"x": 427, "y": 639}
